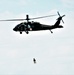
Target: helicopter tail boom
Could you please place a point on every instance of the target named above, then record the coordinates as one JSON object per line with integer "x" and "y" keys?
{"x": 60, "y": 26}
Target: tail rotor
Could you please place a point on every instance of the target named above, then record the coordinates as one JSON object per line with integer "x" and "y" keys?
{"x": 61, "y": 16}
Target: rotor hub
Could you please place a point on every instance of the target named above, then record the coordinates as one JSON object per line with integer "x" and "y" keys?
{"x": 27, "y": 17}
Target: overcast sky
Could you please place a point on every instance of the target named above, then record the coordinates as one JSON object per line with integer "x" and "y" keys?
{"x": 54, "y": 52}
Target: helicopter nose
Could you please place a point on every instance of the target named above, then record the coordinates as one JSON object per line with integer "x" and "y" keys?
{"x": 14, "y": 29}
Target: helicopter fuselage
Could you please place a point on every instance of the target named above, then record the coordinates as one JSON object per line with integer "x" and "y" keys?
{"x": 34, "y": 26}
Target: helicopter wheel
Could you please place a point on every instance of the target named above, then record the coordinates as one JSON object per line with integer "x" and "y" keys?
{"x": 20, "y": 32}
{"x": 27, "y": 32}
{"x": 51, "y": 31}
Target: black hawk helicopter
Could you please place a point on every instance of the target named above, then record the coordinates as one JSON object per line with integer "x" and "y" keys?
{"x": 35, "y": 26}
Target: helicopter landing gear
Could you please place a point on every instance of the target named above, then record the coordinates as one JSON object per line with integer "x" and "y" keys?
{"x": 20, "y": 32}
{"x": 51, "y": 31}
{"x": 27, "y": 32}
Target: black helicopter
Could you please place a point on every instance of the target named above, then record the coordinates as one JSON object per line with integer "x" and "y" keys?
{"x": 35, "y": 26}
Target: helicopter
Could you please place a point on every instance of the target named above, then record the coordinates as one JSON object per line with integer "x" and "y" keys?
{"x": 35, "y": 26}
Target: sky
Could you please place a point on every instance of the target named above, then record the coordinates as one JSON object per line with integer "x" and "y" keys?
{"x": 54, "y": 53}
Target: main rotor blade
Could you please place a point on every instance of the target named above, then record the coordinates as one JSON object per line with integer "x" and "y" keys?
{"x": 13, "y": 20}
{"x": 28, "y": 19}
{"x": 42, "y": 17}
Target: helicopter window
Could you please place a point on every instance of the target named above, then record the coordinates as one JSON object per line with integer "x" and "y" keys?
{"x": 29, "y": 26}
